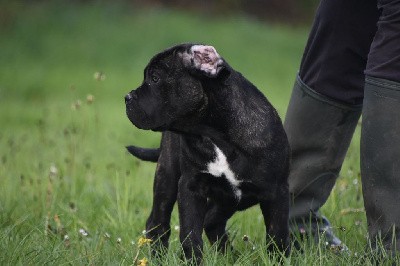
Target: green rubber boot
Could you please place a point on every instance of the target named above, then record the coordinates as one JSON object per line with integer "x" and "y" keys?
{"x": 380, "y": 161}
{"x": 319, "y": 131}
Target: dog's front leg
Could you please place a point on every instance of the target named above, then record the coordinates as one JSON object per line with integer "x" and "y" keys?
{"x": 215, "y": 222}
{"x": 164, "y": 196}
{"x": 276, "y": 215}
{"x": 192, "y": 210}
{"x": 165, "y": 192}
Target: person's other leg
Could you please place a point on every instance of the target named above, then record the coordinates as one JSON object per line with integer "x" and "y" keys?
{"x": 380, "y": 134}
{"x": 326, "y": 104}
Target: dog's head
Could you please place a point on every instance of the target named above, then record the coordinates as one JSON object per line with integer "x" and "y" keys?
{"x": 172, "y": 92}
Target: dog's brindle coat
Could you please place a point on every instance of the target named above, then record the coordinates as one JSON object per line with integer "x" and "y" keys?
{"x": 223, "y": 147}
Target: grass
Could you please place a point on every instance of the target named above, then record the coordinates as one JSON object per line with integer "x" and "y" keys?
{"x": 63, "y": 166}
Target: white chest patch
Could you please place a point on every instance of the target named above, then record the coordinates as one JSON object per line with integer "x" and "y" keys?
{"x": 219, "y": 167}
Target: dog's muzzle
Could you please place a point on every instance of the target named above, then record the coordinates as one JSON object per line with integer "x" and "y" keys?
{"x": 130, "y": 96}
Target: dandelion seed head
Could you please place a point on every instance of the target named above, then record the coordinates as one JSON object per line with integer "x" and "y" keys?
{"x": 76, "y": 105}
{"x": 83, "y": 232}
{"x": 99, "y": 76}
{"x": 53, "y": 170}
{"x": 89, "y": 98}
{"x": 119, "y": 240}
{"x": 350, "y": 172}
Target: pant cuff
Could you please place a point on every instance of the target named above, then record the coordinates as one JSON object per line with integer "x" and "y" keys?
{"x": 322, "y": 98}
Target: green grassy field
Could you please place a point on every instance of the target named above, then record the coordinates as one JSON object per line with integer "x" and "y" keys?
{"x": 63, "y": 165}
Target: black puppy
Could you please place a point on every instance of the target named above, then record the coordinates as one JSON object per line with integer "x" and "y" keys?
{"x": 223, "y": 147}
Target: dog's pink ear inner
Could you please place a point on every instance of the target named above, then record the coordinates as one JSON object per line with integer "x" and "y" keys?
{"x": 204, "y": 58}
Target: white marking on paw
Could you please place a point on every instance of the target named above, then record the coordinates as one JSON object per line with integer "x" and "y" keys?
{"x": 219, "y": 167}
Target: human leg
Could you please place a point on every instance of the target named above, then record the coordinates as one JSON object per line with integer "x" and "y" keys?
{"x": 326, "y": 105}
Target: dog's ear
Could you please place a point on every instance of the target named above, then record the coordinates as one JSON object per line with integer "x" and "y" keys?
{"x": 203, "y": 58}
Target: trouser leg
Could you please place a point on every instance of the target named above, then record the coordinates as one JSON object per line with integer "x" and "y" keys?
{"x": 384, "y": 55}
{"x": 337, "y": 49}
{"x": 326, "y": 104}
{"x": 326, "y": 99}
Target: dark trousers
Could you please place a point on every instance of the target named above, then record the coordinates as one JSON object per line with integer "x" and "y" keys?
{"x": 351, "y": 38}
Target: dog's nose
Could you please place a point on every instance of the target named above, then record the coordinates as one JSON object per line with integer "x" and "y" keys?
{"x": 128, "y": 97}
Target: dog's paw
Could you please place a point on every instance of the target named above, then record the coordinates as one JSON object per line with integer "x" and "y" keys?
{"x": 203, "y": 58}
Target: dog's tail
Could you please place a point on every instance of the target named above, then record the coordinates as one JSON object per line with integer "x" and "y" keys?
{"x": 145, "y": 154}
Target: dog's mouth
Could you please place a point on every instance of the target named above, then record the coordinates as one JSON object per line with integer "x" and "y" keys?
{"x": 137, "y": 116}
{"x": 140, "y": 119}
{"x": 148, "y": 127}
{"x": 159, "y": 128}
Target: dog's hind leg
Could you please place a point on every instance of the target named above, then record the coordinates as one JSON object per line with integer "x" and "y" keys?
{"x": 276, "y": 215}
{"x": 165, "y": 192}
{"x": 215, "y": 223}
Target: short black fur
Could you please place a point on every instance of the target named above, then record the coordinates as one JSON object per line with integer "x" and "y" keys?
{"x": 196, "y": 113}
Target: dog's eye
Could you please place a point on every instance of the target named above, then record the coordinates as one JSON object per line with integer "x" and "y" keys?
{"x": 155, "y": 78}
